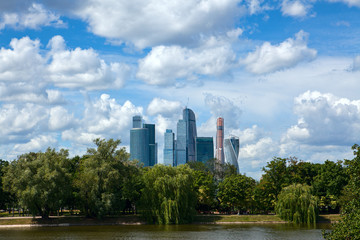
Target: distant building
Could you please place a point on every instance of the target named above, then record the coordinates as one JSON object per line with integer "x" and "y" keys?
{"x": 220, "y": 141}
{"x": 142, "y": 142}
{"x": 204, "y": 149}
{"x": 186, "y": 135}
{"x": 169, "y": 148}
{"x": 232, "y": 146}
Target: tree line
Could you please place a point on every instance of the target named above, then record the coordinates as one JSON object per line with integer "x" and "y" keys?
{"x": 104, "y": 182}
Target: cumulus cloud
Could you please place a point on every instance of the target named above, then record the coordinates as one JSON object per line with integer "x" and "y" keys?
{"x": 269, "y": 58}
{"x": 166, "y": 64}
{"x": 164, "y": 107}
{"x": 60, "y": 118}
{"x": 325, "y": 119}
{"x": 295, "y": 8}
{"x": 36, "y": 144}
{"x": 103, "y": 118}
{"x": 161, "y": 22}
{"x": 34, "y": 17}
{"x": 257, "y": 6}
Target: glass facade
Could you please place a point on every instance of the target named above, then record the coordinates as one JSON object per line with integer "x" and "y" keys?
{"x": 232, "y": 146}
{"x": 137, "y": 121}
{"x": 191, "y": 134}
{"x": 169, "y": 148}
{"x": 204, "y": 149}
{"x": 181, "y": 143}
{"x": 139, "y": 145}
{"x": 220, "y": 141}
{"x": 152, "y": 144}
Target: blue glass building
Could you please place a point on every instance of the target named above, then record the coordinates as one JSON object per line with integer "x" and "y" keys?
{"x": 180, "y": 157}
{"x": 232, "y": 146}
{"x": 169, "y": 148}
{"x": 137, "y": 121}
{"x": 191, "y": 134}
{"x": 204, "y": 149}
{"x": 152, "y": 144}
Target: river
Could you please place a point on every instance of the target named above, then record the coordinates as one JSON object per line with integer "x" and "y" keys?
{"x": 205, "y": 232}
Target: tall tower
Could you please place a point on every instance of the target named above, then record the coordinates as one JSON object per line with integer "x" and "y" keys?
{"x": 204, "y": 149}
{"x": 152, "y": 144}
{"x": 220, "y": 140}
{"x": 232, "y": 146}
{"x": 137, "y": 120}
{"x": 169, "y": 148}
{"x": 186, "y": 136}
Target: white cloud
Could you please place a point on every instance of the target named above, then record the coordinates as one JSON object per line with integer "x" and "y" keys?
{"x": 35, "y": 17}
{"x": 269, "y": 58}
{"x": 164, "y": 107}
{"x": 295, "y": 8}
{"x": 325, "y": 119}
{"x": 164, "y": 65}
{"x": 161, "y": 22}
{"x": 257, "y": 6}
{"x": 60, "y": 118}
{"x": 82, "y": 68}
{"x": 36, "y": 144}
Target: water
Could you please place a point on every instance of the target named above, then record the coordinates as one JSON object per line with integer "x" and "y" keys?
{"x": 205, "y": 232}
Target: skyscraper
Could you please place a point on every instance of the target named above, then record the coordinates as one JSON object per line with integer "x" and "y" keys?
{"x": 204, "y": 149}
{"x": 142, "y": 142}
{"x": 220, "y": 140}
{"x": 169, "y": 148}
{"x": 152, "y": 144}
{"x": 232, "y": 146}
{"x": 186, "y": 135}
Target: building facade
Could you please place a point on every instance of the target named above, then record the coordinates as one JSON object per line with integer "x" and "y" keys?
{"x": 204, "y": 149}
{"x": 169, "y": 148}
{"x": 220, "y": 157}
{"x": 232, "y": 146}
{"x": 180, "y": 157}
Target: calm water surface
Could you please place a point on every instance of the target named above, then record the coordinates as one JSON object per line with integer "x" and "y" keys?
{"x": 206, "y": 232}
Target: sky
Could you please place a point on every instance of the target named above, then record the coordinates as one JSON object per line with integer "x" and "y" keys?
{"x": 283, "y": 74}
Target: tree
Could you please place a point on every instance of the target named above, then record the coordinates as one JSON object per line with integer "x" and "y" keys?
{"x": 296, "y": 204}
{"x": 5, "y": 197}
{"x": 349, "y": 225}
{"x": 168, "y": 196}
{"x": 235, "y": 192}
{"x": 40, "y": 181}
{"x": 100, "y": 178}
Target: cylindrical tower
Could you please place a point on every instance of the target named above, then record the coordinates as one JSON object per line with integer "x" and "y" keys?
{"x": 220, "y": 141}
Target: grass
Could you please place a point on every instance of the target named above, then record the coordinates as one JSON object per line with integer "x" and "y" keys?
{"x": 134, "y": 219}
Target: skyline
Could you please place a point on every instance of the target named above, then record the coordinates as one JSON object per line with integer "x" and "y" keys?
{"x": 283, "y": 74}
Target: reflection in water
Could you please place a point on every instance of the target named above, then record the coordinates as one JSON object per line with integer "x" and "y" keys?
{"x": 206, "y": 232}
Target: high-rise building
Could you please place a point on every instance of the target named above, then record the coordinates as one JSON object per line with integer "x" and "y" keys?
{"x": 137, "y": 120}
{"x": 220, "y": 140}
{"x": 180, "y": 157}
{"x": 186, "y": 135}
{"x": 152, "y": 144}
{"x": 169, "y": 148}
{"x": 142, "y": 142}
{"x": 204, "y": 149}
{"x": 139, "y": 145}
{"x": 232, "y": 146}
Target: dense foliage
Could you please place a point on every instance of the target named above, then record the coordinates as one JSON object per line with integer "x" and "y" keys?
{"x": 296, "y": 204}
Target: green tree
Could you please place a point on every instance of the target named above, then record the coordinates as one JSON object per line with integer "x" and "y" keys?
{"x": 296, "y": 204}
{"x": 100, "y": 178}
{"x": 235, "y": 192}
{"x": 169, "y": 195}
{"x": 349, "y": 225}
{"x": 40, "y": 181}
{"x": 5, "y": 197}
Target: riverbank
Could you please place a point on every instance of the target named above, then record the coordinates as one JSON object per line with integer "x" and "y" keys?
{"x": 137, "y": 220}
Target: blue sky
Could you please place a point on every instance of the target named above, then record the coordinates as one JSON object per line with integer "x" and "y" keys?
{"x": 284, "y": 74}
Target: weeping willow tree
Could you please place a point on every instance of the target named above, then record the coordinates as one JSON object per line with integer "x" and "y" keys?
{"x": 296, "y": 204}
{"x": 168, "y": 196}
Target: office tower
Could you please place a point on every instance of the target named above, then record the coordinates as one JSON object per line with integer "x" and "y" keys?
{"x": 204, "y": 149}
{"x": 152, "y": 144}
{"x": 139, "y": 145}
{"x": 169, "y": 148}
{"x": 142, "y": 142}
{"x": 137, "y": 121}
{"x": 186, "y": 134}
{"x": 191, "y": 134}
{"x": 220, "y": 141}
{"x": 232, "y": 146}
{"x": 181, "y": 143}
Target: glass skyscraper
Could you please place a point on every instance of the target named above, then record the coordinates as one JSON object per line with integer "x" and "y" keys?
{"x": 232, "y": 146}
{"x": 186, "y": 135}
{"x": 142, "y": 142}
{"x": 204, "y": 149}
{"x": 169, "y": 148}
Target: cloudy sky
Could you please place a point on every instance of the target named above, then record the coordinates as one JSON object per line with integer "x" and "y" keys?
{"x": 284, "y": 74}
